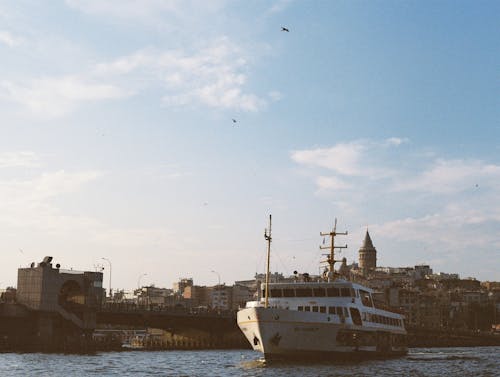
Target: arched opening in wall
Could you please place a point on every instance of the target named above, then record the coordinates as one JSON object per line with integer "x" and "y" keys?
{"x": 71, "y": 296}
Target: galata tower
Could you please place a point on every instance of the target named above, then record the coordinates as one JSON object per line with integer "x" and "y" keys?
{"x": 367, "y": 255}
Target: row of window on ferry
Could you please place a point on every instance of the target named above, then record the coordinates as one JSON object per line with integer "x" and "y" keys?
{"x": 342, "y": 311}
{"x": 311, "y": 292}
{"x": 338, "y": 310}
{"x": 377, "y": 318}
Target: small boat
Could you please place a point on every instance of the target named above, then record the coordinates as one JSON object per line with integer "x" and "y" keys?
{"x": 135, "y": 342}
{"x": 331, "y": 318}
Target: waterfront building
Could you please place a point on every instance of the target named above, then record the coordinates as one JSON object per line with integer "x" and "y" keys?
{"x": 179, "y": 286}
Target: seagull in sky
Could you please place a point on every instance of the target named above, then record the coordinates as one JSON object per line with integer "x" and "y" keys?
{"x": 234, "y": 120}
{"x": 285, "y": 29}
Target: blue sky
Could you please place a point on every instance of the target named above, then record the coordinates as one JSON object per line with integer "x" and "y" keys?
{"x": 117, "y": 139}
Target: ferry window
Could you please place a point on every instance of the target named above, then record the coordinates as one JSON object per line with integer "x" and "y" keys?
{"x": 288, "y": 292}
{"x": 307, "y": 308}
{"x": 356, "y": 317}
{"x": 346, "y": 312}
{"x": 353, "y": 292}
{"x": 315, "y": 309}
{"x": 339, "y": 311}
{"x": 332, "y": 292}
{"x": 300, "y": 308}
{"x": 345, "y": 292}
{"x": 276, "y": 293}
{"x": 331, "y": 310}
{"x": 322, "y": 309}
{"x": 303, "y": 292}
{"x": 319, "y": 292}
{"x": 264, "y": 292}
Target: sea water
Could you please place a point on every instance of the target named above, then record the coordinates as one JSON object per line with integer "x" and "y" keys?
{"x": 442, "y": 362}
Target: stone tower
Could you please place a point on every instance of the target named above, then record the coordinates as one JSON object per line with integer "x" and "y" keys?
{"x": 367, "y": 255}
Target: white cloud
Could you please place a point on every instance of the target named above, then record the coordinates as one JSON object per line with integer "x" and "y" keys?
{"x": 396, "y": 141}
{"x": 157, "y": 13}
{"x": 438, "y": 207}
{"x": 343, "y": 158}
{"x": 452, "y": 228}
{"x": 45, "y": 186}
{"x": 124, "y": 8}
{"x": 213, "y": 76}
{"x": 332, "y": 183}
{"x": 449, "y": 176}
{"x": 54, "y": 97}
{"x": 23, "y": 159}
{"x": 8, "y": 39}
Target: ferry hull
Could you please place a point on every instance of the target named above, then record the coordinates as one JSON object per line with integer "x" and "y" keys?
{"x": 288, "y": 334}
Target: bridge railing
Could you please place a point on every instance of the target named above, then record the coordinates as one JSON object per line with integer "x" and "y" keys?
{"x": 134, "y": 308}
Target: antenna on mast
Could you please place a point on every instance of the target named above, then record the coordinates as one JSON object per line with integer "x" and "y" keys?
{"x": 331, "y": 256}
{"x": 268, "y": 238}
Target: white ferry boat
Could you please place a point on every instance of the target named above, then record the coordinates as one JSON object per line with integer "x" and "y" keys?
{"x": 332, "y": 318}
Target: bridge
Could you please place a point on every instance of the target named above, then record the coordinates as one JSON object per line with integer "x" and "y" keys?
{"x": 203, "y": 328}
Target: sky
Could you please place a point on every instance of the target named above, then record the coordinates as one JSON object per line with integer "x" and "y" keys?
{"x": 117, "y": 137}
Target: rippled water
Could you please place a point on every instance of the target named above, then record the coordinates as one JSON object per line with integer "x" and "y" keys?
{"x": 442, "y": 362}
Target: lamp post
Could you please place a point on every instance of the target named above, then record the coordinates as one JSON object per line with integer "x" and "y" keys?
{"x": 139, "y": 280}
{"x": 107, "y": 260}
{"x": 218, "y": 275}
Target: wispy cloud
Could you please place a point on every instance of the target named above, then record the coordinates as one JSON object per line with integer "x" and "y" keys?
{"x": 444, "y": 205}
{"x": 366, "y": 159}
{"x": 353, "y": 158}
{"x": 45, "y": 186}
{"x": 8, "y": 39}
{"x": 332, "y": 183}
{"x": 342, "y": 158}
{"x": 23, "y": 159}
{"x": 157, "y": 13}
{"x": 449, "y": 176}
{"x": 57, "y": 96}
{"x": 213, "y": 76}
{"x": 31, "y": 201}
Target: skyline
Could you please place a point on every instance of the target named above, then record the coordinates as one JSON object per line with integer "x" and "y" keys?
{"x": 118, "y": 141}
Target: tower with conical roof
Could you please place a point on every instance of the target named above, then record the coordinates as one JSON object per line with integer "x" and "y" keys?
{"x": 367, "y": 255}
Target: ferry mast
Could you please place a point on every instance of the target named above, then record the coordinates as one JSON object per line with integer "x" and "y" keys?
{"x": 331, "y": 256}
{"x": 268, "y": 238}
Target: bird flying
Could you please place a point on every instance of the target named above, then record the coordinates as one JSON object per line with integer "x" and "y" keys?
{"x": 285, "y": 29}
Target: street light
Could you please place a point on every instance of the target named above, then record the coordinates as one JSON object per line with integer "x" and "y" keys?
{"x": 139, "y": 280}
{"x": 107, "y": 260}
{"x": 218, "y": 275}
